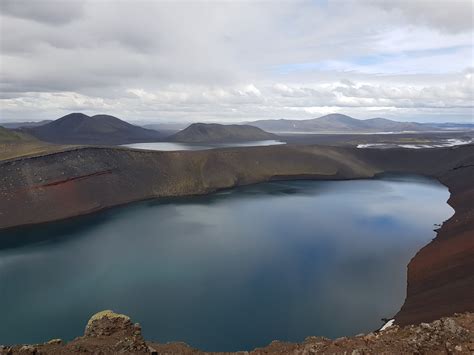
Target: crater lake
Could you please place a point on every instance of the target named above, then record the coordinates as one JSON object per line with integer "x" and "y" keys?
{"x": 229, "y": 271}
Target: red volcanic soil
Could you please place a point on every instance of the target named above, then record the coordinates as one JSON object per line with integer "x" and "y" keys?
{"x": 441, "y": 275}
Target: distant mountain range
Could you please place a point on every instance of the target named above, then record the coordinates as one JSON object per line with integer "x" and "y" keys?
{"x": 77, "y": 128}
{"x": 219, "y": 133}
{"x": 15, "y": 125}
{"x": 9, "y": 136}
{"x": 338, "y": 123}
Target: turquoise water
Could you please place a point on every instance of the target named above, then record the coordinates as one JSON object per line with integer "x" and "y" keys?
{"x": 228, "y": 271}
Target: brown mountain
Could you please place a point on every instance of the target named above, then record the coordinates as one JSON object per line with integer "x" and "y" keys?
{"x": 77, "y": 128}
{"x": 219, "y": 133}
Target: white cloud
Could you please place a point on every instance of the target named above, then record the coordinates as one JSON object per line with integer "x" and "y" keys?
{"x": 250, "y": 101}
{"x": 230, "y": 61}
{"x": 52, "y": 11}
{"x": 448, "y": 15}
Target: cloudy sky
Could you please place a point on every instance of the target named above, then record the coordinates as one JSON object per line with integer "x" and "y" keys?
{"x": 233, "y": 61}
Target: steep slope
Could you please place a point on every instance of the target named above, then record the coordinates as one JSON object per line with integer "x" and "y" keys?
{"x": 77, "y": 128}
{"x": 218, "y": 133}
{"x": 336, "y": 123}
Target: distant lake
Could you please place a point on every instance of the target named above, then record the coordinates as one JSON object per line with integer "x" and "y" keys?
{"x": 229, "y": 271}
{"x": 168, "y": 146}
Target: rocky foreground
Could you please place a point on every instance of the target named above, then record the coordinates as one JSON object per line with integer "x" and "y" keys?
{"x": 110, "y": 333}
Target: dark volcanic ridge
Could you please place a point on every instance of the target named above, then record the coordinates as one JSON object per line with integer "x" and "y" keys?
{"x": 111, "y": 333}
{"x": 219, "y": 133}
{"x": 78, "y": 128}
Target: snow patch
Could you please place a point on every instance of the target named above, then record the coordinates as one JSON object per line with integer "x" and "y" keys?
{"x": 445, "y": 143}
{"x": 388, "y": 324}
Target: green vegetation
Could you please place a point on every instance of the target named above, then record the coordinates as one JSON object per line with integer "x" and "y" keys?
{"x": 14, "y": 144}
{"x": 9, "y": 136}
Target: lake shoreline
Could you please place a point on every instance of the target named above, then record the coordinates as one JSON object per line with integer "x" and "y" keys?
{"x": 439, "y": 278}
{"x": 287, "y": 236}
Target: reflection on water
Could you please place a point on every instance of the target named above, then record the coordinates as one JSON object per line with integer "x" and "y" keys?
{"x": 228, "y": 271}
{"x": 168, "y": 146}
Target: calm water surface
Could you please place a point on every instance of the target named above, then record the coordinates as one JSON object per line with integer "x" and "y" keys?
{"x": 169, "y": 146}
{"x": 228, "y": 271}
